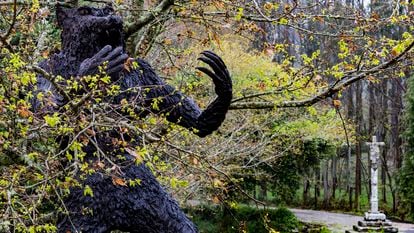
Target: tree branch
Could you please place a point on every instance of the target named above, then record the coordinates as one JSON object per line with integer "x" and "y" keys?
{"x": 147, "y": 17}
{"x": 50, "y": 78}
{"x": 3, "y": 38}
{"x": 345, "y": 81}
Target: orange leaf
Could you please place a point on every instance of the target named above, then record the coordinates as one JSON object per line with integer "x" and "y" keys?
{"x": 216, "y": 200}
{"x": 118, "y": 181}
{"x": 90, "y": 132}
{"x": 100, "y": 165}
{"x": 129, "y": 64}
{"x": 167, "y": 41}
{"x": 372, "y": 79}
{"x": 194, "y": 160}
{"x": 45, "y": 54}
{"x": 375, "y": 16}
{"x": 24, "y": 112}
{"x": 336, "y": 103}
{"x": 394, "y": 52}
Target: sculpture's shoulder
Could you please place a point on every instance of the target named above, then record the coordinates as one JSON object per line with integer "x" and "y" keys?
{"x": 54, "y": 65}
{"x": 145, "y": 73}
{"x": 59, "y": 64}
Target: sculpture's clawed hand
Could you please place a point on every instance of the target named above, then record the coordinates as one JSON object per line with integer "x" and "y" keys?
{"x": 114, "y": 57}
{"x": 221, "y": 77}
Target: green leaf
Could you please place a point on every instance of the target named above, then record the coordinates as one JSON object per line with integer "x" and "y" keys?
{"x": 239, "y": 14}
{"x": 52, "y": 121}
{"x": 87, "y": 191}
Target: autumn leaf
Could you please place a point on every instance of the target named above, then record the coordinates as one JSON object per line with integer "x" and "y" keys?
{"x": 336, "y": 103}
{"x": 194, "y": 160}
{"x": 129, "y": 64}
{"x": 218, "y": 183}
{"x": 268, "y": 6}
{"x": 375, "y": 16}
{"x": 100, "y": 165}
{"x": 372, "y": 79}
{"x": 24, "y": 112}
{"x": 118, "y": 181}
{"x": 219, "y": 4}
{"x": 45, "y": 54}
{"x": 84, "y": 140}
{"x": 216, "y": 200}
{"x": 216, "y": 38}
{"x": 319, "y": 19}
{"x": 167, "y": 41}
{"x": 90, "y": 132}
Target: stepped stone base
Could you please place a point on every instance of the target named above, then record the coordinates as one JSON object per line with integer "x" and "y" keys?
{"x": 374, "y": 222}
{"x": 374, "y": 216}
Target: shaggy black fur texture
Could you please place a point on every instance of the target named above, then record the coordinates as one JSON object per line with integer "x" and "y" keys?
{"x": 91, "y": 36}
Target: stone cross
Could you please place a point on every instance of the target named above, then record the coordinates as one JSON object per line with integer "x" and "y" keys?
{"x": 374, "y": 152}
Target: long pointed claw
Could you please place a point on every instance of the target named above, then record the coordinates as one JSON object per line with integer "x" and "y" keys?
{"x": 212, "y": 75}
{"x": 217, "y": 69}
{"x": 222, "y": 88}
{"x": 215, "y": 57}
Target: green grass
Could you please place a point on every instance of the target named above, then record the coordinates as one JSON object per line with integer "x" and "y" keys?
{"x": 211, "y": 219}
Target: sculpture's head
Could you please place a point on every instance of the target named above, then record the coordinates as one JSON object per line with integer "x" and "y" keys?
{"x": 86, "y": 28}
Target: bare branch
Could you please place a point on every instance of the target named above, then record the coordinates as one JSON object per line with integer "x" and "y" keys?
{"x": 148, "y": 17}
{"x": 50, "y": 78}
{"x": 3, "y": 38}
{"x": 345, "y": 81}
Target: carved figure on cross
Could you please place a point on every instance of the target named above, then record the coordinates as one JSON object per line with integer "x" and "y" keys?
{"x": 374, "y": 150}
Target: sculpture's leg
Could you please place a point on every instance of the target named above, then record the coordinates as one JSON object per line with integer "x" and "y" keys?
{"x": 144, "y": 208}
{"x": 79, "y": 222}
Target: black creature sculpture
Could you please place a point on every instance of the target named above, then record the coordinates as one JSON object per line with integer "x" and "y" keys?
{"x": 91, "y": 36}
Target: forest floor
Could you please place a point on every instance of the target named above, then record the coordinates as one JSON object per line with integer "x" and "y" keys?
{"x": 337, "y": 222}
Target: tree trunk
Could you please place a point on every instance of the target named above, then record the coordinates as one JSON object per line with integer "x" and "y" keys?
{"x": 350, "y": 115}
{"x": 317, "y": 186}
{"x": 395, "y": 139}
{"x": 306, "y": 188}
{"x": 326, "y": 184}
{"x": 358, "y": 146}
{"x": 396, "y": 107}
{"x": 263, "y": 191}
{"x": 334, "y": 176}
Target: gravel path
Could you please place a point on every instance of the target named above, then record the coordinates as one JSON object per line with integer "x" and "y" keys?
{"x": 337, "y": 222}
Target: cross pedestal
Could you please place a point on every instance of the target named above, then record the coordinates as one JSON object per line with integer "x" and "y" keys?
{"x": 374, "y": 221}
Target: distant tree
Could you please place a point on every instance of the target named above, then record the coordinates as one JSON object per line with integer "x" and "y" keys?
{"x": 406, "y": 178}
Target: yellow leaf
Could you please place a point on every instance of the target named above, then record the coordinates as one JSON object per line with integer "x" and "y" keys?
{"x": 217, "y": 183}
{"x": 268, "y": 6}
{"x": 167, "y": 41}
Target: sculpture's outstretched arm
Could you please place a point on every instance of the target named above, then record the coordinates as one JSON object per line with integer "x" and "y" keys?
{"x": 181, "y": 109}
